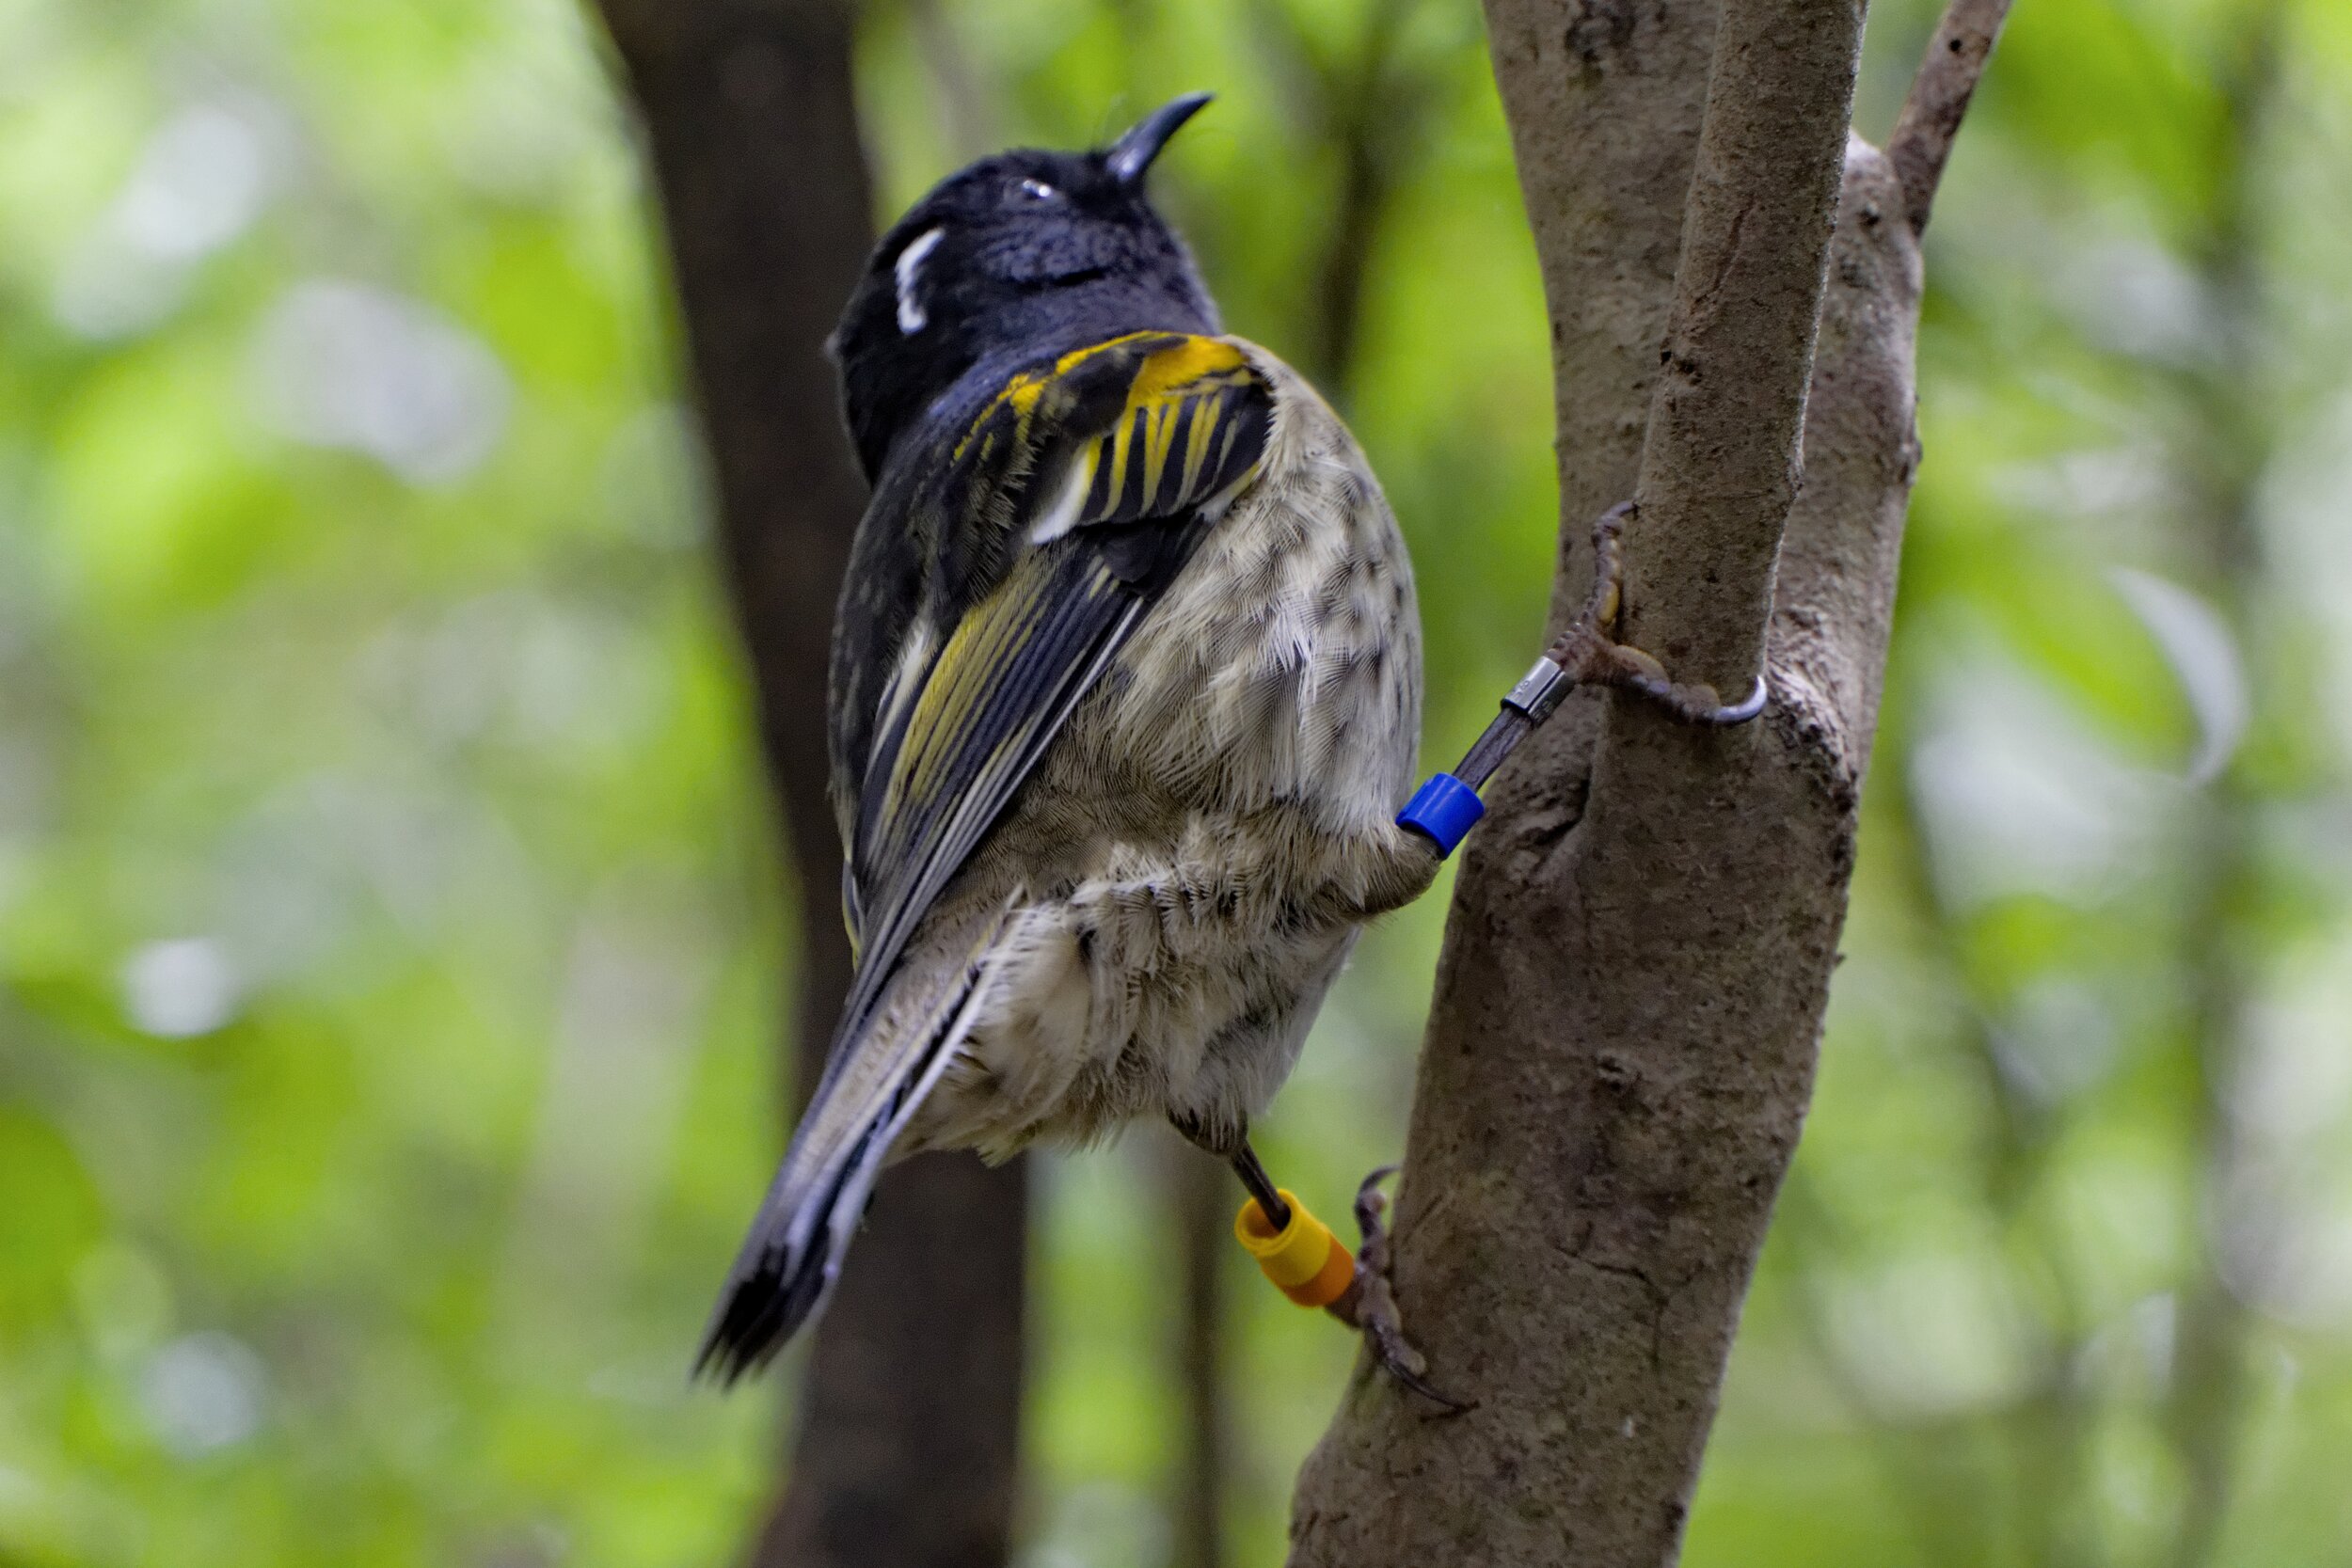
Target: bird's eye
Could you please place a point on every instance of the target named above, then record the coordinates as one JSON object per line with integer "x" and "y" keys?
{"x": 1037, "y": 190}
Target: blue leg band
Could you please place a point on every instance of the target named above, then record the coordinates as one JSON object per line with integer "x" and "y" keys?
{"x": 1443, "y": 811}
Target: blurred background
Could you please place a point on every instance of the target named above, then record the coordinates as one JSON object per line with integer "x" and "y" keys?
{"x": 391, "y": 956}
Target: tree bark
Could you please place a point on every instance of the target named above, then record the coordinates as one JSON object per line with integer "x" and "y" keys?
{"x": 1629, "y": 997}
{"x": 908, "y": 1434}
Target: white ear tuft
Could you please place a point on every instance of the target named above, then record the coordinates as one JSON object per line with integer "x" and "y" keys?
{"x": 908, "y": 270}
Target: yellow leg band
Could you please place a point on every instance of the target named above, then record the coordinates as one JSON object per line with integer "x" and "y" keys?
{"x": 1305, "y": 1262}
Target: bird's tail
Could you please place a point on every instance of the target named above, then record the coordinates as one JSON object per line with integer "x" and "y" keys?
{"x": 877, "y": 1077}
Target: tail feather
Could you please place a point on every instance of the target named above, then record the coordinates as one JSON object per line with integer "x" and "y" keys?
{"x": 786, "y": 1272}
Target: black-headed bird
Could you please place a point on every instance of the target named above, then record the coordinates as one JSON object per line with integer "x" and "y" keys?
{"x": 1124, "y": 700}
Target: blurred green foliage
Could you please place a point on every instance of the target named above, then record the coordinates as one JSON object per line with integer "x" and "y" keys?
{"x": 388, "y": 946}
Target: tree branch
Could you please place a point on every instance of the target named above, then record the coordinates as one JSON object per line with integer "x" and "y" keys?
{"x": 1938, "y": 100}
{"x": 1621, "y": 1049}
{"x": 1718, "y": 467}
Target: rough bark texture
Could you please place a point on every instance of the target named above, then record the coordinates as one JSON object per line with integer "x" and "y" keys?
{"x": 1630, "y": 999}
{"x": 909, "y": 1435}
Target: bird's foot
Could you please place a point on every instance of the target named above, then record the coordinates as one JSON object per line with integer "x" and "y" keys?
{"x": 1369, "y": 1305}
{"x": 1447, "y": 806}
{"x": 1589, "y": 654}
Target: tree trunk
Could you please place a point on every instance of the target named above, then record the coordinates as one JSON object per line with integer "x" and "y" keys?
{"x": 1201, "y": 1203}
{"x": 1629, "y": 998}
{"x": 909, "y": 1435}
{"x": 2225, "y": 457}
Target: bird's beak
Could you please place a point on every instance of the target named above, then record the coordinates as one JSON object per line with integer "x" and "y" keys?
{"x": 1132, "y": 153}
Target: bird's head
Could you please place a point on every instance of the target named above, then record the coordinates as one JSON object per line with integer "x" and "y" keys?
{"x": 1027, "y": 249}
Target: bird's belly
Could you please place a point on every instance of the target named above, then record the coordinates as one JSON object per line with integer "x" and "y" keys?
{"x": 1171, "y": 942}
{"x": 1097, "y": 1019}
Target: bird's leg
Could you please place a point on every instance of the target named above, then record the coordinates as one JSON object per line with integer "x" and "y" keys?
{"x": 1394, "y": 867}
{"x": 1366, "y": 1303}
{"x": 1369, "y": 1307}
{"x": 1446, "y": 806}
{"x": 1260, "y": 1186}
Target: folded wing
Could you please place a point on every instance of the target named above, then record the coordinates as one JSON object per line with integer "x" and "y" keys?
{"x": 1061, "y": 514}
{"x": 1094, "y": 478}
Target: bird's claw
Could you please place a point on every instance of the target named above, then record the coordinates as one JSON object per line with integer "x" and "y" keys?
{"x": 1370, "y": 1305}
{"x": 1590, "y": 654}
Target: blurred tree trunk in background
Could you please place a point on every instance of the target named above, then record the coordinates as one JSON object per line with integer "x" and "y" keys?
{"x": 1621, "y": 1051}
{"x": 1200, "y": 1193}
{"x": 2229, "y": 448}
{"x": 907, "y": 1447}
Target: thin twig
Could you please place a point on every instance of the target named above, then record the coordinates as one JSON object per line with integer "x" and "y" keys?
{"x": 1939, "y": 99}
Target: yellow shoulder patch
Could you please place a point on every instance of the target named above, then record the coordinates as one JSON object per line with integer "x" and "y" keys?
{"x": 1171, "y": 369}
{"x": 1185, "y": 358}
{"x": 1192, "y": 425}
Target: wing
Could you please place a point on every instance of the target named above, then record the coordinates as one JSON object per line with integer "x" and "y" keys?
{"x": 1067, "y": 507}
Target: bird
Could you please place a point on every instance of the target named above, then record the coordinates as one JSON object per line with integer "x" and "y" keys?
{"x": 1123, "y": 703}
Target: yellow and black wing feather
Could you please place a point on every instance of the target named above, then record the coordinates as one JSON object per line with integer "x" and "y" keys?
{"x": 1010, "y": 552}
{"x": 1071, "y": 502}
